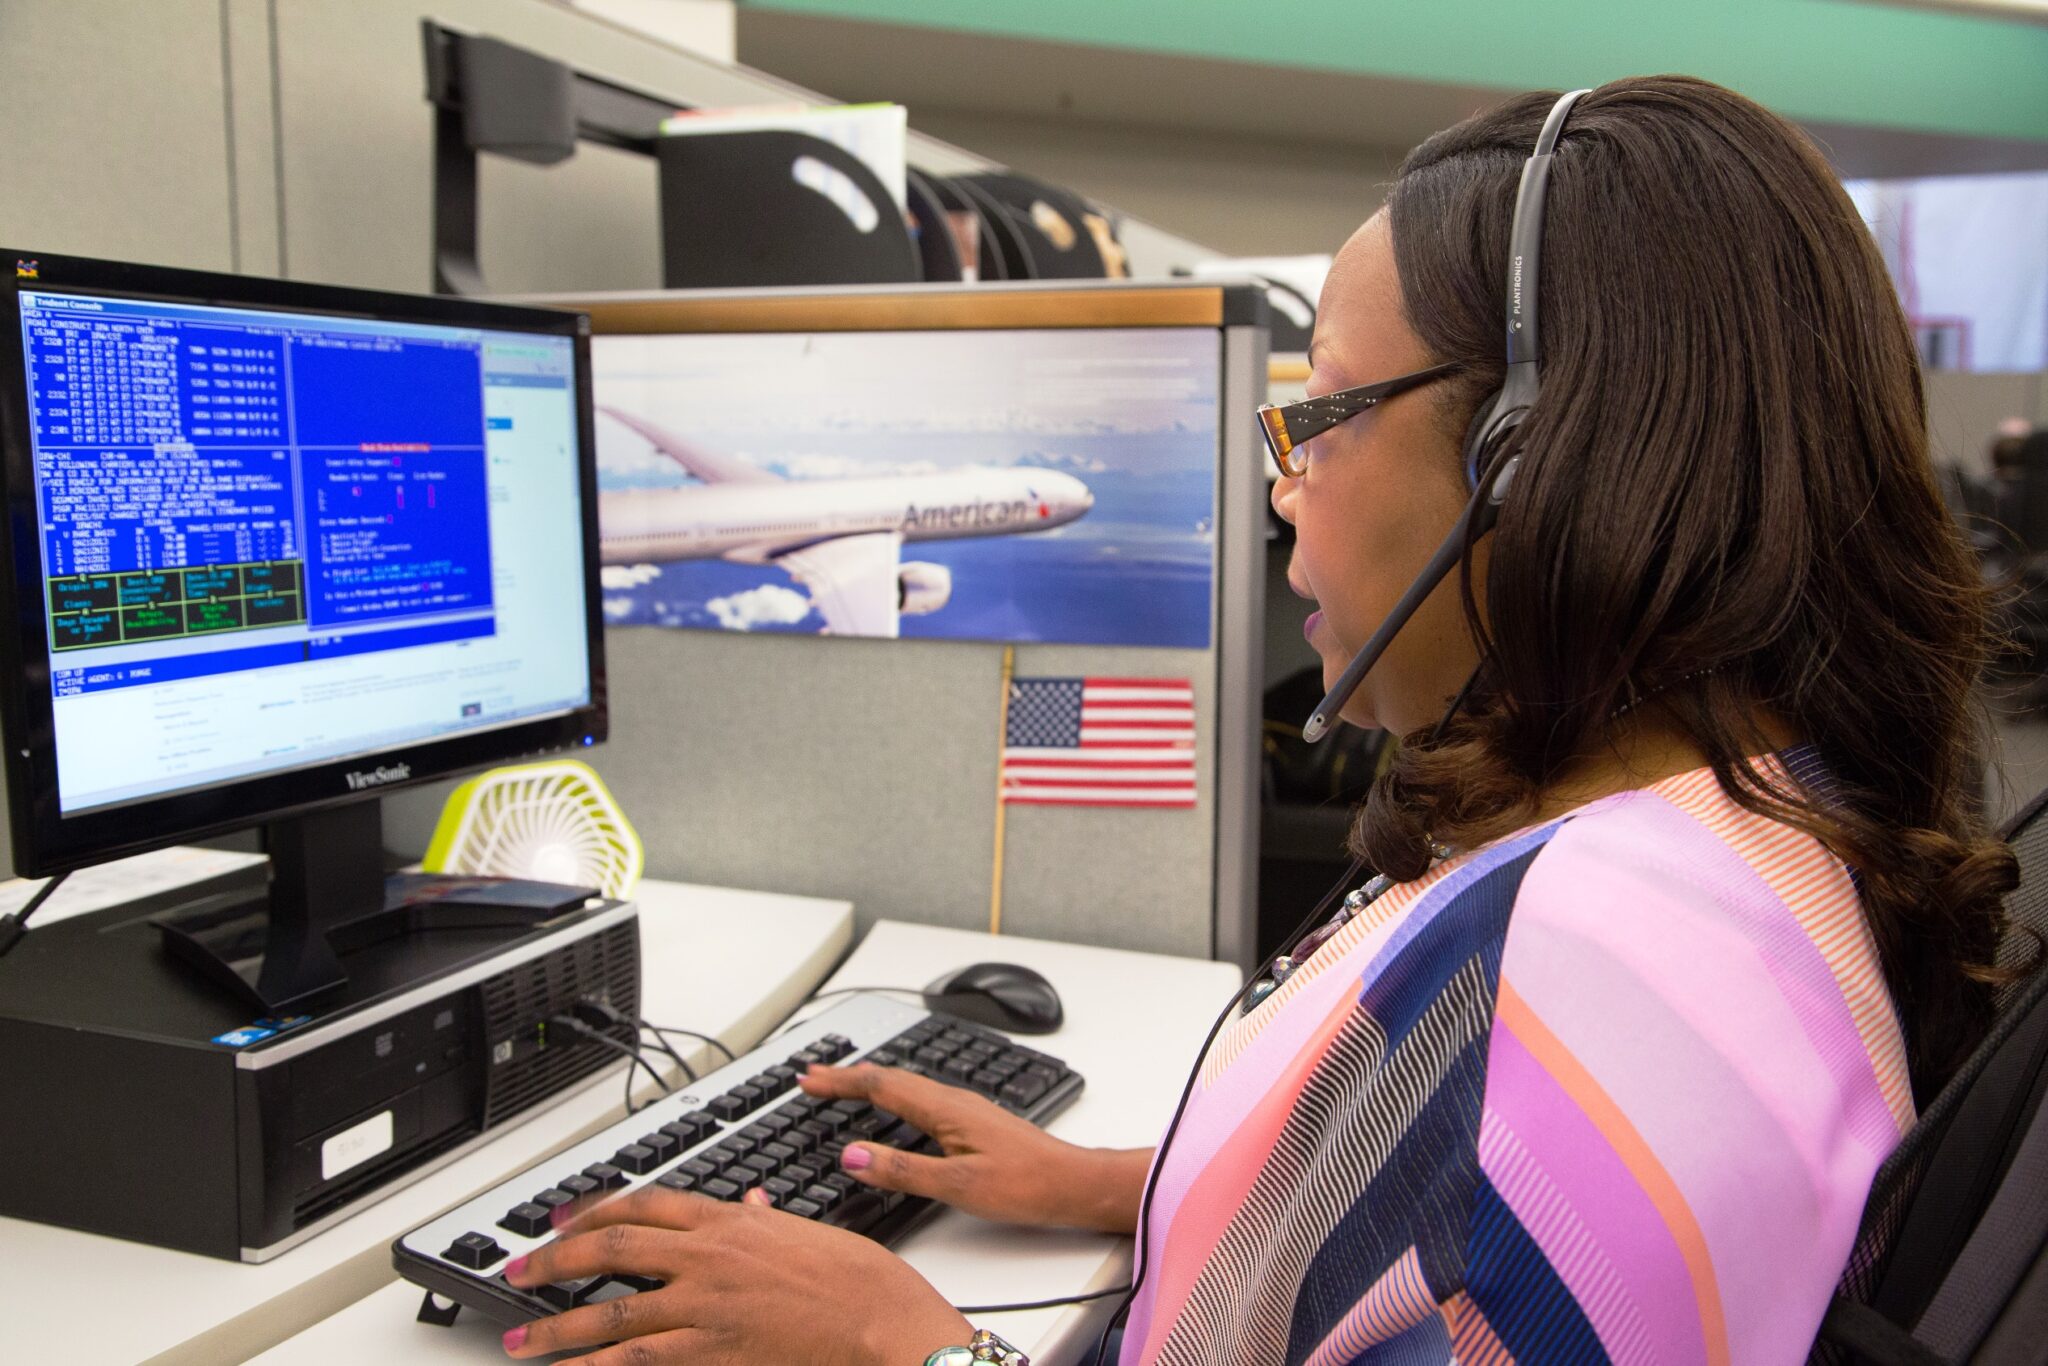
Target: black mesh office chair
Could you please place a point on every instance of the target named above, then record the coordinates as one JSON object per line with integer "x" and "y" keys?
{"x": 1951, "y": 1263}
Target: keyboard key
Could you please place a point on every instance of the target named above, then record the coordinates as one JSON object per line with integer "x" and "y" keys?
{"x": 727, "y": 1106}
{"x": 770, "y": 1086}
{"x": 605, "y": 1175}
{"x": 987, "y": 1082}
{"x": 781, "y": 1152}
{"x": 579, "y": 1185}
{"x": 678, "y": 1180}
{"x": 781, "y": 1187}
{"x": 835, "y": 1045}
{"x": 742, "y": 1144}
{"x": 957, "y": 1070}
{"x": 554, "y": 1197}
{"x": 1025, "y": 1089}
{"x": 785, "y": 1074}
{"x": 760, "y": 1163}
{"x": 749, "y": 1096}
{"x": 803, "y": 1173}
{"x": 774, "y": 1122}
{"x": 802, "y": 1208}
{"x": 832, "y": 1121}
{"x": 718, "y": 1188}
{"x": 699, "y": 1169}
{"x": 529, "y": 1220}
{"x": 663, "y": 1146}
{"x": 884, "y": 1057}
{"x": 569, "y": 1294}
{"x": 823, "y": 1196}
{"x": 805, "y": 1058}
{"x": 929, "y": 1056}
{"x": 636, "y": 1158}
{"x": 475, "y": 1251}
{"x": 983, "y": 1048}
{"x": 692, "y": 1128}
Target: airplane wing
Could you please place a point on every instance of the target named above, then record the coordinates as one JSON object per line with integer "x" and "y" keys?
{"x": 712, "y": 469}
{"x": 852, "y": 581}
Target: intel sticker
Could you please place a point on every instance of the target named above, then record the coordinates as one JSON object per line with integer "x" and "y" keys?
{"x": 243, "y": 1037}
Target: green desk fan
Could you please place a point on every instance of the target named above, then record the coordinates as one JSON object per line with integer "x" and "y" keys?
{"x": 547, "y": 822}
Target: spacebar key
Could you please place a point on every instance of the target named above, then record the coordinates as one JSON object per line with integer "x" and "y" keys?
{"x": 857, "y": 1212}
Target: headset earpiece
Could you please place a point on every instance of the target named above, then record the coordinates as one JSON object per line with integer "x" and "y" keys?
{"x": 1475, "y": 438}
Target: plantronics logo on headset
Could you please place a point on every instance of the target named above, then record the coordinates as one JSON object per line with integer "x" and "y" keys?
{"x": 378, "y": 776}
{"x": 1515, "y": 285}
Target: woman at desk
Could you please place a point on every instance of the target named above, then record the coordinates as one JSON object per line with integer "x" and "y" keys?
{"x": 1684, "y": 896}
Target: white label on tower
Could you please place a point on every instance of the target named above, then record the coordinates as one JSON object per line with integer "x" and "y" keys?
{"x": 355, "y": 1145}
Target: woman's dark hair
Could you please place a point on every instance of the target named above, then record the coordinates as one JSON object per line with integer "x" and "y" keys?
{"x": 1725, "y": 507}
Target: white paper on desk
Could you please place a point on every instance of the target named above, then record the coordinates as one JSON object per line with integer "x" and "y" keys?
{"x": 878, "y": 134}
{"x": 128, "y": 879}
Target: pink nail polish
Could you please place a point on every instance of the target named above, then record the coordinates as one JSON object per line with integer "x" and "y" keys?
{"x": 515, "y": 1339}
{"x": 515, "y": 1266}
{"x": 856, "y": 1159}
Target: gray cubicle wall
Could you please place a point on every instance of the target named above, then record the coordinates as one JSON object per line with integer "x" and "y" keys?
{"x": 292, "y": 137}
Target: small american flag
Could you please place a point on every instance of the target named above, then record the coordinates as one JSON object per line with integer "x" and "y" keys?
{"x": 1100, "y": 742}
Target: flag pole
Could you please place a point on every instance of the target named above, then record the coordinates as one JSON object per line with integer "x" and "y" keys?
{"x": 995, "y": 895}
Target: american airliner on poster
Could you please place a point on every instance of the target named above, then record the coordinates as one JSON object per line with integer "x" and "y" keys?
{"x": 982, "y": 485}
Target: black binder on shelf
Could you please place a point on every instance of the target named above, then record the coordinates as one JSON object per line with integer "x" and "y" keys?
{"x": 735, "y": 213}
{"x": 1048, "y": 225}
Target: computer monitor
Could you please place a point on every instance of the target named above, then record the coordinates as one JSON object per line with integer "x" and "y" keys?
{"x": 276, "y": 549}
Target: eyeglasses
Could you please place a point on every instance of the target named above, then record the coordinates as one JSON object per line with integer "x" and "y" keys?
{"x": 1289, "y": 426}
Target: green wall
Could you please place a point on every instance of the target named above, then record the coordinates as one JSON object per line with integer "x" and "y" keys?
{"x": 1821, "y": 60}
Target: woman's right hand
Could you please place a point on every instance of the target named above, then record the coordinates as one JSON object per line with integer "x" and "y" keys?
{"x": 996, "y": 1165}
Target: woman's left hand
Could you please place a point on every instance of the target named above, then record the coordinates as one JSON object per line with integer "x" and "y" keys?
{"x": 742, "y": 1283}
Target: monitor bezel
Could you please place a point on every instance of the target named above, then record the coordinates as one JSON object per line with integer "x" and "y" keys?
{"x": 44, "y": 840}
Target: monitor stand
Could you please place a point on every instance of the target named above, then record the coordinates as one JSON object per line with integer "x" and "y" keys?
{"x": 329, "y": 897}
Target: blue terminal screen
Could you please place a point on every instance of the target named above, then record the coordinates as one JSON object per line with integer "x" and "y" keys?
{"x": 272, "y": 540}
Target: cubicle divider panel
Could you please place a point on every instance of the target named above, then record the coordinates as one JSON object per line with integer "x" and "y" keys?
{"x": 869, "y": 768}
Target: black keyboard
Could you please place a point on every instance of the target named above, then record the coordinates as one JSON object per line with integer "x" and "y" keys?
{"x": 742, "y": 1126}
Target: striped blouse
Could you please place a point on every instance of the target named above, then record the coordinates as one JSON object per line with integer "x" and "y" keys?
{"x": 1612, "y": 1088}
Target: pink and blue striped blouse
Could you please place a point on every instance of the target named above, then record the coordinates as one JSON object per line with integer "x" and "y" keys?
{"x": 1610, "y": 1089}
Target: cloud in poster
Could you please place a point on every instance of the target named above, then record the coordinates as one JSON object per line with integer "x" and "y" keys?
{"x": 766, "y": 605}
{"x": 1109, "y": 382}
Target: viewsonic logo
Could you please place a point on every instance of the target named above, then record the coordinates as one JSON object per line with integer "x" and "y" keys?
{"x": 379, "y": 776}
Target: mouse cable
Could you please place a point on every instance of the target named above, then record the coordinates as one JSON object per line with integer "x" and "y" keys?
{"x": 632, "y": 1054}
{"x": 971, "y": 1309}
{"x": 790, "y": 1021}
{"x": 718, "y": 1044}
{"x": 13, "y": 927}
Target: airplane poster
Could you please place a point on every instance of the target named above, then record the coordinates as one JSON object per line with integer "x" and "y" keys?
{"x": 1041, "y": 485}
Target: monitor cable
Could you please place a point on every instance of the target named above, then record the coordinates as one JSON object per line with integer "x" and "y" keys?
{"x": 13, "y": 927}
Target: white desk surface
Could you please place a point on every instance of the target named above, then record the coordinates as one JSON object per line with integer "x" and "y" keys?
{"x": 1133, "y": 1022}
{"x": 728, "y": 963}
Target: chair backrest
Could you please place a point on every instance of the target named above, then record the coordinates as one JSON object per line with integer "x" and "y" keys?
{"x": 1958, "y": 1215}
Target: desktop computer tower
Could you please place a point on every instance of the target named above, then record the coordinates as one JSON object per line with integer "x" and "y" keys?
{"x": 146, "y": 1103}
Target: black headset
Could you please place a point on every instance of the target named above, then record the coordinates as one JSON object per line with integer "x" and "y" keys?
{"x": 1500, "y": 413}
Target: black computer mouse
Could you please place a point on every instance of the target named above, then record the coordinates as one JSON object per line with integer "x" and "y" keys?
{"x": 999, "y": 995}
